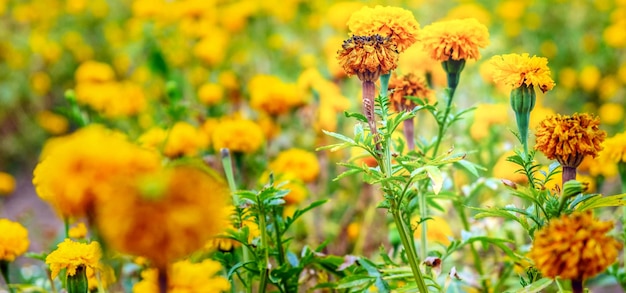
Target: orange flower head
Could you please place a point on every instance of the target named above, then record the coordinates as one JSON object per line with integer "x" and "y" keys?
{"x": 368, "y": 56}
{"x": 457, "y": 39}
{"x": 408, "y": 85}
{"x": 514, "y": 70}
{"x": 395, "y": 23}
{"x": 568, "y": 139}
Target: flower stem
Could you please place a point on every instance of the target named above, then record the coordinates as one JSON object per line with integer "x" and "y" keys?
{"x": 369, "y": 94}
{"x": 577, "y": 286}
{"x": 4, "y": 267}
{"x": 163, "y": 282}
{"x": 408, "y": 244}
{"x": 621, "y": 167}
{"x": 569, "y": 173}
{"x": 264, "y": 246}
{"x": 442, "y": 123}
{"x": 409, "y": 133}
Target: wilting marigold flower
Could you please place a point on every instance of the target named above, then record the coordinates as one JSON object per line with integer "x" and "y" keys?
{"x": 186, "y": 277}
{"x": 70, "y": 255}
{"x": 13, "y": 240}
{"x": 568, "y": 139}
{"x": 574, "y": 247}
{"x": 238, "y": 135}
{"x": 395, "y": 23}
{"x": 457, "y": 39}
{"x": 368, "y": 56}
{"x": 7, "y": 183}
{"x": 514, "y": 70}
{"x": 303, "y": 164}
{"x": 76, "y": 168}
{"x": 164, "y": 215}
{"x": 408, "y": 85}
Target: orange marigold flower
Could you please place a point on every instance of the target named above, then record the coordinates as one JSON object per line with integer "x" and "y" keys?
{"x": 457, "y": 39}
{"x": 574, "y": 247}
{"x": 515, "y": 69}
{"x": 408, "y": 85}
{"x": 395, "y": 23}
{"x": 368, "y": 56}
{"x": 568, "y": 139}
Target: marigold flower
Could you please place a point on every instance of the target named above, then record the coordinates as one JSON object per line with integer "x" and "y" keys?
{"x": 238, "y": 135}
{"x": 395, "y": 23}
{"x": 273, "y": 96}
{"x": 7, "y": 183}
{"x": 485, "y": 116}
{"x": 614, "y": 149}
{"x": 13, "y": 240}
{"x": 408, "y": 85}
{"x": 76, "y": 168}
{"x": 301, "y": 163}
{"x": 78, "y": 232}
{"x": 185, "y": 139}
{"x": 164, "y": 215}
{"x": 52, "y": 123}
{"x": 514, "y": 70}
{"x": 93, "y": 71}
{"x": 70, "y": 255}
{"x": 574, "y": 247}
{"x": 211, "y": 94}
{"x": 568, "y": 139}
{"x": 457, "y": 39}
{"x": 186, "y": 277}
{"x": 368, "y": 56}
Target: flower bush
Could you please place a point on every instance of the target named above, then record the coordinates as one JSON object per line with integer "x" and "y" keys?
{"x": 258, "y": 146}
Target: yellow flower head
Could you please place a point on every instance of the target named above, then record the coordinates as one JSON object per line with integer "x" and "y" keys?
{"x": 408, "y": 85}
{"x": 211, "y": 94}
{"x": 7, "y": 183}
{"x": 395, "y": 23}
{"x": 76, "y": 168}
{"x": 485, "y": 116}
{"x": 514, "y": 70}
{"x": 52, "y": 123}
{"x": 574, "y": 247}
{"x": 185, "y": 140}
{"x": 568, "y": 139}
{"x": 70, "y": 255}
{"x": 79, "y": 231}
{"x": 273, "y": 96}
{"x": 186, "y": 277}
{"x": 13, "y": 240}
{"x": 238, "y": 135}
{"x": 614, "y": 149}
{"x": 92, "y": 71}
{"x": 303, "y": 164}
{"x": 368, "y": 56}
{"x": 164, "y": 215}
{"x": 457, "y": 39}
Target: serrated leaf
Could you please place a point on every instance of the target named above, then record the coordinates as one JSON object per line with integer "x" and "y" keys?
{"x": 356, "y": 115}
{"x": 339, "y": 136}
{"x": 603, "y": 201}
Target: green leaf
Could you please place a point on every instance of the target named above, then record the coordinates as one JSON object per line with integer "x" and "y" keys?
{"x": 537, "y": 286}
{"x": 301, "y": 212}
{"x": 603, "y": 201}
{"x": 436, "y": 177}
{"x": 500, "y": 243}
{"x": 338, "y": 136}
{"x": 470, "y": 167}
{"x": 356, "y": 281}
{"x": 500, "y": 213}
{"x": 356, "y": 115}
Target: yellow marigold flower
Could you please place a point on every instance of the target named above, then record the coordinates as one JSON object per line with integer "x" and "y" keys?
{"x": 568, "y": 139}
{"x": 614, "y": 149}
{"x": 611, "y": 113}
{"x": 301, "y": 163}
{"x": 514, "y": 70}
{"x": 186, "y": 277}
{"x": 7, "y": 183}
{"x": 40, "y": 83}
{"x": 164, "y": 215}
{"x": 368, "y": 56}
{"x": 70, "y": 255}
{"x": 339, "y": 13}
{"x": 13, "y": 240}
{"x": 439, "y": 230}
{"x": 418, "y": 61}
{"x": 238, "y": 135}
{"x": 113, "y": 99}
{"x": 485, "y": 116}
{"x": 457, "y": 39}
{"x": 185, "y": 139}
{"x": 395, "y": 23}
{"x": 574, "y": 247}
{"x": 52, "y": 123}
{"x": 210, "y": 94}
{"x": 92, "y": 71}
{"x": 470, "y": 10}
{"x": 503, "y": 169}
{"x": 408, "y": 85}
{"x": 76, "y": 168}
{"x": 79, "y": 231}
{"x": 212, "y": 48}
{"x": 273, "y": 96}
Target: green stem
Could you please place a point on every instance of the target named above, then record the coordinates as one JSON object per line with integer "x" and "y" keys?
{"x": 4, "y": 267}
{"x": 66, "y": 226}
{"x": 442, "y": 124}
{"x": 423, "y": 215}
{"x": 279, "y": 244}
{"x": 558, "y": 284}
{"x": 621, "y": 167}
{"x": 265, "y": 248}
{"x": 407, "y": 242}
{"x": 477, "y": 260}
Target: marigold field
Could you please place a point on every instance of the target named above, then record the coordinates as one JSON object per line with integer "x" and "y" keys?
{"x": 200, "y": 146}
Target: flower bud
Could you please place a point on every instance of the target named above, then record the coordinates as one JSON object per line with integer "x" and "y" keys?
{"x": 523, "y": 101}
{"x": 78, "y": 282}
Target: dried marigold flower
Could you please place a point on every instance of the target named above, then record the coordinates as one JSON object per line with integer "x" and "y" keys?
{"x": 568, "y": 139}
{"x": 368, "y": 56}
{"x": 574, "y": 247}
